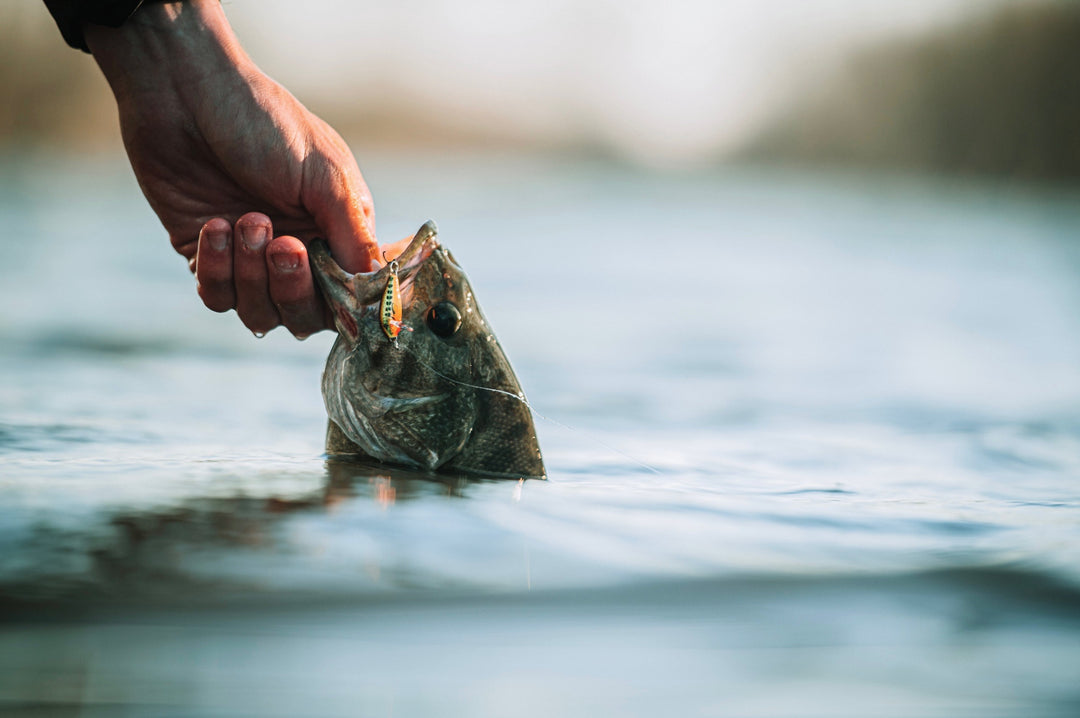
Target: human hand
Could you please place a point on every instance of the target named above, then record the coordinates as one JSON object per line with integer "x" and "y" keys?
{"x": 226, "y": 157}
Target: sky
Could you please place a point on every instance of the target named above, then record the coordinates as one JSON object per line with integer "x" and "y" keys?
{"x": 655, "y": 81}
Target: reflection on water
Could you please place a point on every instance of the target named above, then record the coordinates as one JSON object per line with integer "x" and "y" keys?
{"x": 190, "y": 546}
{"x": 860, "y": 395}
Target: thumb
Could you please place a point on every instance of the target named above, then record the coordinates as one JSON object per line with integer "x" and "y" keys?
{"x": 345, "y": 213}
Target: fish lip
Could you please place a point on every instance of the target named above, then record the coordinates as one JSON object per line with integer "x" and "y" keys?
{"x": 424, "y": 242}
{"x": 335, "y": 282}
{"x": 353, "y": 292}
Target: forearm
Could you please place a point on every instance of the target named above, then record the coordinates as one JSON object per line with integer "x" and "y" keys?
{"x": 174, "y": 46}
{"x": 226, "y": 156}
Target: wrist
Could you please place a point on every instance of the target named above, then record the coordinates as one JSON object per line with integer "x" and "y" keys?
{"x": 167, "y": 45}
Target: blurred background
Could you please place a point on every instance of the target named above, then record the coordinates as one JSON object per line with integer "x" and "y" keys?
{"x": 968, "y": 86}
{"x": 794, "y": 288}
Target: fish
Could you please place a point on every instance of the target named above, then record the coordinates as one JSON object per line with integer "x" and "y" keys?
{"x": 416, "y": 376}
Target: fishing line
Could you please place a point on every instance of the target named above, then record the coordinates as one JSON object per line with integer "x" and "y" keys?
{"x": 390, "y": 321}
{"x": 523, "y": 400}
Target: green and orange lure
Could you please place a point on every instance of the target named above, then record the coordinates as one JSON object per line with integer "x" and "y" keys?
{"x": 390, "y": 314}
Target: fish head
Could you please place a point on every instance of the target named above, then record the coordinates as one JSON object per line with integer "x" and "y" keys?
{"x": 441, "y": 394}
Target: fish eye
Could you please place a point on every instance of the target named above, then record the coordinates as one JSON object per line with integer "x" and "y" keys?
{"x": 443, "y": 319}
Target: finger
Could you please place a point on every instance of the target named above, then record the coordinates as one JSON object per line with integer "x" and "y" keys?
{"x": 214, "y": 266}
{"x": 352, "y": 242}
{"x": 391, "y": 251}
{"x": 340, "y": 202}
{"x": 292, "y": 288}
{"x": 253, "y": 303}
{"x": 184, "y": 245}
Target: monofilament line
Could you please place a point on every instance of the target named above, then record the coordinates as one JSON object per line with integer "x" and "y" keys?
{"x": 523, "y": 400}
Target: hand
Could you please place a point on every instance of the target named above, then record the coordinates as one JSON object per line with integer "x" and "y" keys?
{"x": 226, "y": 157}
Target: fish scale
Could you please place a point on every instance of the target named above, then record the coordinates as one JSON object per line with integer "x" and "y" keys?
{"x": 440, "y": 396}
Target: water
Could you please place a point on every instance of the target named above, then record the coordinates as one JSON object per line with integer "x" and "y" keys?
{"x": 860, "y": 394}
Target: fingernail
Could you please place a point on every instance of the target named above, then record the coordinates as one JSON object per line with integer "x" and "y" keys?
{"x": 218, "y": 241}
{"x": 254, "y": 237}
{"x": 285, "y": 261}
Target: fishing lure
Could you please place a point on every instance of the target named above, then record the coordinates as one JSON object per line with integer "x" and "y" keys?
{"x": 390, "y": 316}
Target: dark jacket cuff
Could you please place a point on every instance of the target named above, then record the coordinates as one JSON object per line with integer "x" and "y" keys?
{"x": 73, "y": 15}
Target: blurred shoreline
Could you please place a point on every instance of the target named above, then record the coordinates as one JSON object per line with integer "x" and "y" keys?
{"x": 991, "y": 92}
{"x": 998, "y": 95}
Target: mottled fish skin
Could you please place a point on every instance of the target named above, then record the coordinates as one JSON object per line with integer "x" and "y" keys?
{"x": 424, "y": 401}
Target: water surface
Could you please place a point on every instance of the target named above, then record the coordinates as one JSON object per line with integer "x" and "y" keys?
{"x": 813, "y": 444}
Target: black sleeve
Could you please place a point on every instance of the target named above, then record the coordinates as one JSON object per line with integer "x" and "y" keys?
{"x": 73, "y": 15}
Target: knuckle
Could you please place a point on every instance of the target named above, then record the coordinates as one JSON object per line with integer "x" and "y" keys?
{"x": 213, "y": 273}
{"x": 298, "y": 313}
{"x": 255, "y": 287}
{"x": 291, "y": 292}
{"x": 215, "y": 301}
{"x": 290, "y": 299}
{"x": 257, "y": 319}
{"x": 259, "y": 325}
{"x": 302, "y": 326}
{"x": 185, "y": 246}
{"x": 218, "y": 304}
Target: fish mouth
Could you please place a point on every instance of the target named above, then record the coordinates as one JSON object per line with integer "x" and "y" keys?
{"x": 350, "y": 294}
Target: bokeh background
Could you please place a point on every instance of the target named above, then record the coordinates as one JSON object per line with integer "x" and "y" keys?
{"x": 794, "y": 288}
{"x": 962, "y": 86}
